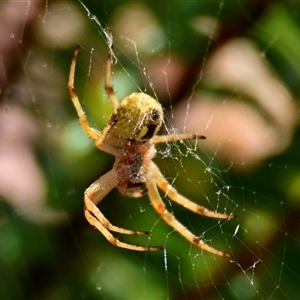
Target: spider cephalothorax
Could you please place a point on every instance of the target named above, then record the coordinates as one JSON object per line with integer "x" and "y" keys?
{"x": 131, "y": 135}
{"x": 130, "y": 167}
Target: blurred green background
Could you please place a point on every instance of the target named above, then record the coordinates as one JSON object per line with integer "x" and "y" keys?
{"x": 227, "y": 69}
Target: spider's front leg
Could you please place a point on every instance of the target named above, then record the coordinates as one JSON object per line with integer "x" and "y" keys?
{"x": 92, "y": 196}
{"x": 169, "y": 218}
{"x": 173, "y": 194}
{"x": 157, "y": 180}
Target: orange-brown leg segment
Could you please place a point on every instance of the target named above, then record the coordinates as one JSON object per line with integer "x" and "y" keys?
{"x": 158, "y": 139}
{"x": 92, "y": 196}
{"x": 172, "y": 193}
{"x": 169, "y": 218}
{"x": 93, "y": 133}
{"x": 108, "y": 83}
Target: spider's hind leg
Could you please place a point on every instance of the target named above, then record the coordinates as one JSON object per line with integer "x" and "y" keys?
{"x": 170, "y": 138}
{"x": 108, "y": 81}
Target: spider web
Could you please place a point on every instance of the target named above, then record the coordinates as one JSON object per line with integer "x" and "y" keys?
{"x": 227, "y": 70}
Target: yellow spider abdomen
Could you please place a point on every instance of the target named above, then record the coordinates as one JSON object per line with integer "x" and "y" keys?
{"x": 138, "y": 117}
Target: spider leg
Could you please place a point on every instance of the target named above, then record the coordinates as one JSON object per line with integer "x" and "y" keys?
{"x": 108, "y": 82}
{"x": 158, "y": 139}
{"x": 93, "y": 133}
{"x": 169, "y": 218}
{"x": 93, "y": 195}
{"x": 93, "y": 221}
{"x": 173, "y": 194}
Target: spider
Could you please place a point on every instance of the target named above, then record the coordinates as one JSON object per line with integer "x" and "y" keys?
{"x": 131, "y": 135}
